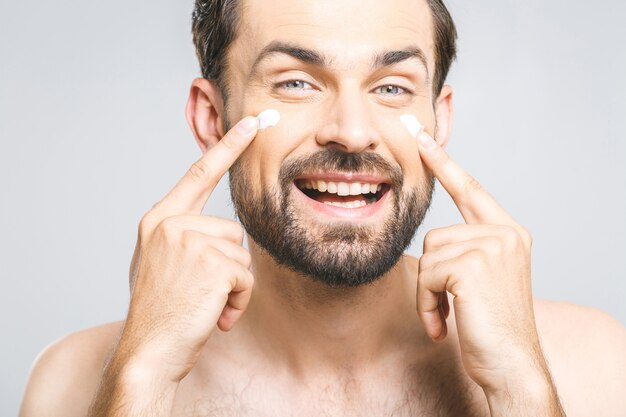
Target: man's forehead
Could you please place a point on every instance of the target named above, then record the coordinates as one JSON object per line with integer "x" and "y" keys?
{"x": 346, "y": 31}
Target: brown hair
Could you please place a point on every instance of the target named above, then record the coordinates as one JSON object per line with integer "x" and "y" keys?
{"x": 215, "y": 23}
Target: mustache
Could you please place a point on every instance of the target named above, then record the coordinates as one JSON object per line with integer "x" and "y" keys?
{"x": 333, "y": 159}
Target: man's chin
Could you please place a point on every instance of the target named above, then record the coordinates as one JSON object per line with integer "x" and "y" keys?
{"x": 346, "y": 265}
{"x": 337, "y": 252}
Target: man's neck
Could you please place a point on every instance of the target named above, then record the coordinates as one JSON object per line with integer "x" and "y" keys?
{"x": 310, "y": 325}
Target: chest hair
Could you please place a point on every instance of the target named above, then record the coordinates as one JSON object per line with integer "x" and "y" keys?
{"x": 437, "y": 389}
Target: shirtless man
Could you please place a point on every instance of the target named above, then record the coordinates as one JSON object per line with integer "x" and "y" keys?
{"x": 323, "y": 314}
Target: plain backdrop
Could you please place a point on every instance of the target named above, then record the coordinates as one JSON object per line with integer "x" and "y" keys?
{"x": 93, "y": 133}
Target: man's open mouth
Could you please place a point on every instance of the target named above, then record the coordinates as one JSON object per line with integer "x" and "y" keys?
{"x": 351, "y": 194}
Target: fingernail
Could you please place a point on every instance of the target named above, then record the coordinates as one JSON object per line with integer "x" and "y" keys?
{"x": 247, "y": 125}
{"x": 427, "y": 141}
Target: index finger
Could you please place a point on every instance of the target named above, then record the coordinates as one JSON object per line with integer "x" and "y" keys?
{"x": 195, "y": 187}
{"x": 474, "y": 202}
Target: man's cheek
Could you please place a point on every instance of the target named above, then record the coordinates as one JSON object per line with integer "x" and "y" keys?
{"x": 398, "y": 141}
{"x": 294, "y": 134}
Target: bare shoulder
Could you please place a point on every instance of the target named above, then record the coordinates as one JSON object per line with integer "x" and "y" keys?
{"x": 586, "y": 351}
{"x": 65, "y": 375}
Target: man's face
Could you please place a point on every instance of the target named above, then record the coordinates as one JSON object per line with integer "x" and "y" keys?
{"x": 341, "y": 73}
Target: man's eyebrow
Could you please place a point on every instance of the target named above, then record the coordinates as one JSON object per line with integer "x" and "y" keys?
{"x": 387, "y": 58}
{"x": 306, "y": 55}
{"x": 313, "y": 57}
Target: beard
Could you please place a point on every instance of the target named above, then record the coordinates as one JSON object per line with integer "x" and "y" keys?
{"x": 340, "y": 254}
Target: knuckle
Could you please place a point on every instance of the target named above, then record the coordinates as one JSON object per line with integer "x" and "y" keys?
{"x": 239, "y": 233}
{"x": 199, "y": 171}
{"x": 230, "y": 229}
{"x": 247, "y": 258}
{"x": 231, "y": 142}
{"x": 226, "y": 273}
{"x": 169, "y": 229}
{"x": 246, "y": 280}
{"x": 511, "y": 236}
{"x": 235, "y": 230}
{"x": 242, "y": 276}
{"x": 190, "y": 242}
{"x": 470, "y": 186}
{"x": 475, "y": 260}
{"x": 147, "y": 223}
{"x": 424, "y": 262}
{"x": 526, "y": 237}
{"x": 494, "y": 245}
{"x": 209, "y": 258}
{"x": 431, "y": 239}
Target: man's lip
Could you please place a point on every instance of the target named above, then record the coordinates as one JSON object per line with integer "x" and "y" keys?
{"x": 354, "y": 214}
{"x": 345, "y": 177}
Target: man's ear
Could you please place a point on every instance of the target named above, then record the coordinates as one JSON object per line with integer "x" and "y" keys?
{"x": 443, "y": 113}
{"x": 205, "y": 112}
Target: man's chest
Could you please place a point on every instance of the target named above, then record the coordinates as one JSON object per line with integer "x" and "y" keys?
{"x": 230, "y": 406}
{"x": 419, "y": 392}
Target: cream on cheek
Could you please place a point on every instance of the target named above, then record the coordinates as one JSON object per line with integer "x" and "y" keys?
{"x": 276, "y": 139}
{"x": 412, "y": 124}
{"x": 414, "y": 127}
{"x": 268, "y": 118}
{"x": 399, "y": 133}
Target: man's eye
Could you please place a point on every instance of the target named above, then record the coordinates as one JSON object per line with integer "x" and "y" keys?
{"x": 392, "y": 90}
{"x": 295, "y": 85}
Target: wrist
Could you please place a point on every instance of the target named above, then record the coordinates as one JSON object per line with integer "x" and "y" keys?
{"x": 532, "y": 394}
{"x": 128, "y": 389}
{"x": 142, "y": 373}
{"x": 146, "y": 389}
{"x": 153, "y": 360}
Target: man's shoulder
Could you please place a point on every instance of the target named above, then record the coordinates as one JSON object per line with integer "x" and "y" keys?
{"x": 586, "y": 351}
{"x": 66, "y": 373}
{"x": 562, "y": 321}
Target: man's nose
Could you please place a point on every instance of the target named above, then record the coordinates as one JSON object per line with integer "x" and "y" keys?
{"x": 347, "y": 124}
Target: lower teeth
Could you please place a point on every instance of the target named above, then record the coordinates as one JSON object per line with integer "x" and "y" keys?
{"x": 350, "y": 204}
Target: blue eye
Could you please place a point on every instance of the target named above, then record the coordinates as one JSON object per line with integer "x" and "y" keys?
{"x": 295, "y": 85}
{"x": 392, "y": 90}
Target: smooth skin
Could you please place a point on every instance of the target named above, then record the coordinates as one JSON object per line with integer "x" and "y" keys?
{"x": 214, "y": 329}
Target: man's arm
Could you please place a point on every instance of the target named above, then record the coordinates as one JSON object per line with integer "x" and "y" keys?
{"x": 189, "y": 274}
{"x": 485, "y": 264}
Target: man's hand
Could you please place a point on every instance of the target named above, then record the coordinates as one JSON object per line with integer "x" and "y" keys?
{"x": 485, "y": 264}
{"x": 189, "y": 272}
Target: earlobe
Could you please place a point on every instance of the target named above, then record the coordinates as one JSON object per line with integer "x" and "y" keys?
{"x": 204, "y": 112}
{"x": 444, "y": 112}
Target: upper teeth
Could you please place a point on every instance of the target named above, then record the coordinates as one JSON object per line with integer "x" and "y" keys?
{"x": 341, "y": 188}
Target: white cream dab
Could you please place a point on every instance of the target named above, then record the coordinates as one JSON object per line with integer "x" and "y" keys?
{"x": 268, "y": 118}
{"x": 412, "y": 124}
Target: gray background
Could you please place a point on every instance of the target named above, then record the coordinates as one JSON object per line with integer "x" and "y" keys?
{"x": 93, "y": 133}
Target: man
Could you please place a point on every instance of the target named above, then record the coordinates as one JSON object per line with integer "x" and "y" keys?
{"x": 323, "y": 314}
